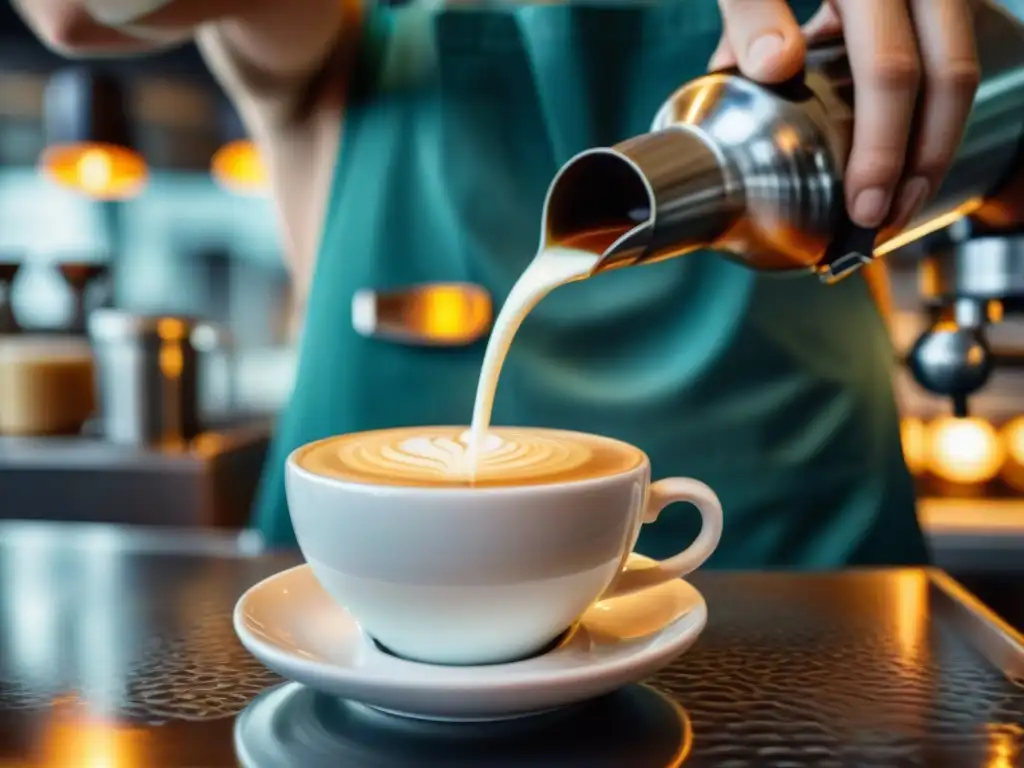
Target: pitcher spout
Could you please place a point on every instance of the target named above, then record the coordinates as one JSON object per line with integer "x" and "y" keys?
{"x": 652, "y": 197}
{"x": 601, "y": 202}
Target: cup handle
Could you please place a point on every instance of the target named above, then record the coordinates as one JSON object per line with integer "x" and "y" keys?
{"x": 660, "y": 495}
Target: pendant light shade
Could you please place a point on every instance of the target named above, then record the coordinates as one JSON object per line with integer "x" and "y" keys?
{"x": 89, "y": 145}
{"x": 237, "y": 165}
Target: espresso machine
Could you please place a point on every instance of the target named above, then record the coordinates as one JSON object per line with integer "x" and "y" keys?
{"x": 756, "y": 173}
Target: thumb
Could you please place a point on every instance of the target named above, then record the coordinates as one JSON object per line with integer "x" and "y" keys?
{"x": 765, "y": 37}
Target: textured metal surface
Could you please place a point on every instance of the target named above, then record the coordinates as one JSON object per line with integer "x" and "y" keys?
{"x": 143, "y": 634}
{"x": 135, "y": 644}
{"x": 851, "y": 669}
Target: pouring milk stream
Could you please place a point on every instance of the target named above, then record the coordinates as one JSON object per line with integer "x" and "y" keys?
{"x": 553, "y": 266}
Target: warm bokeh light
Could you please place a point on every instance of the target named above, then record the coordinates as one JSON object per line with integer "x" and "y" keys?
{"x": 238, "y": 167}
{"x": 1013, "y": 438}
{"x": 171, "y": 329}
{"x": 925, "y": 228}
{"x": 965, "y": 450}
{"x": 1005, "y": 741}
{"x": 73, "y": 737}
{"x": 172, "y": 359}
{"x": 914, "y": 435}
{"x": 101, "y": 171}
{"x": 446, "y": 313}
{"x": 433, "y": 314}
{"x": 910, "y": 599}
{"x": 995, "y": 311}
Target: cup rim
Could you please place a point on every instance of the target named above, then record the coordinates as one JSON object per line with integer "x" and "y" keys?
{"x": 292, "y": 467}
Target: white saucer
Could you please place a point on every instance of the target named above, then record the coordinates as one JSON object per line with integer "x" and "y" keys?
{"x": 290, "y": 624}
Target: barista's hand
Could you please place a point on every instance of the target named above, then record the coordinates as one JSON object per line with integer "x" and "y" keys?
{"x": 900, "y": 51}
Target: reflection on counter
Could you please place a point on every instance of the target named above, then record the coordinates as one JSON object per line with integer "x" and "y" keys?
{"x": 74, "y": 737}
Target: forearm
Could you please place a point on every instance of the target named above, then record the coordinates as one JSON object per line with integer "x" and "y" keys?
{"x": 157, "y": 18}
{"x": 84, "y": 27}
{"x": 120, "y": 13}
{"x": 276, "y": 43}
{"x": 66, "y": 27}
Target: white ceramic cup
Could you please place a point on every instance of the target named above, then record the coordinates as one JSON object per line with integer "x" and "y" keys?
{"x": 485, "y": 575}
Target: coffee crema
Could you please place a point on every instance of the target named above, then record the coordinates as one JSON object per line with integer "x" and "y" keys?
{"x": 441, "y": 456}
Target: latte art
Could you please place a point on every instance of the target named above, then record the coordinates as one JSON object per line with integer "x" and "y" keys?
{"x": 441, "y": 457}
{"x": 444, "y": 456}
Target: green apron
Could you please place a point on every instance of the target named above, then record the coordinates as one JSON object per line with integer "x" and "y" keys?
{"x": 776, "y": 392}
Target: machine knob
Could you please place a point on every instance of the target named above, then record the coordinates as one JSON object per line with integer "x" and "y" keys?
{"x": 951, "y": 361}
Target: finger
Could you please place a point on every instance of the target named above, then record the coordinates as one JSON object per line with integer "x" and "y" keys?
{"x": 945, "y": 34}
{"x": 886, "y": 72}
{"x": 824, "y": 24}
{"x": 723, "y": 57}
{"x": 765, "y": 38}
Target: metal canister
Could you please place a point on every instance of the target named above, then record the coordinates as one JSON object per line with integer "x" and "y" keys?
{"x": 147, "y": 374}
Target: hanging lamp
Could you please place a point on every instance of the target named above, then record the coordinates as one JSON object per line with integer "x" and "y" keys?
{"x": 89, "y": 143}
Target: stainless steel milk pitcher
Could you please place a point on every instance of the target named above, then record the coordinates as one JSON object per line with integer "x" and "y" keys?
{"x": 756, "y": 172}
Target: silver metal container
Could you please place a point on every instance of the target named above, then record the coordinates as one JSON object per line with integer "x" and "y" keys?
{"x": 756, "y": 171}
{"x": 147, "y": 374}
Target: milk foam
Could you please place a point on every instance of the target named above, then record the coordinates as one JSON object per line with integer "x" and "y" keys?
{"x": 440, "y": 457}
{"x": 516, "y": 455}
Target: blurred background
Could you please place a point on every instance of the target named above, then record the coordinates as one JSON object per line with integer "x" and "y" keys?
{"x": 130, "y": 185}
